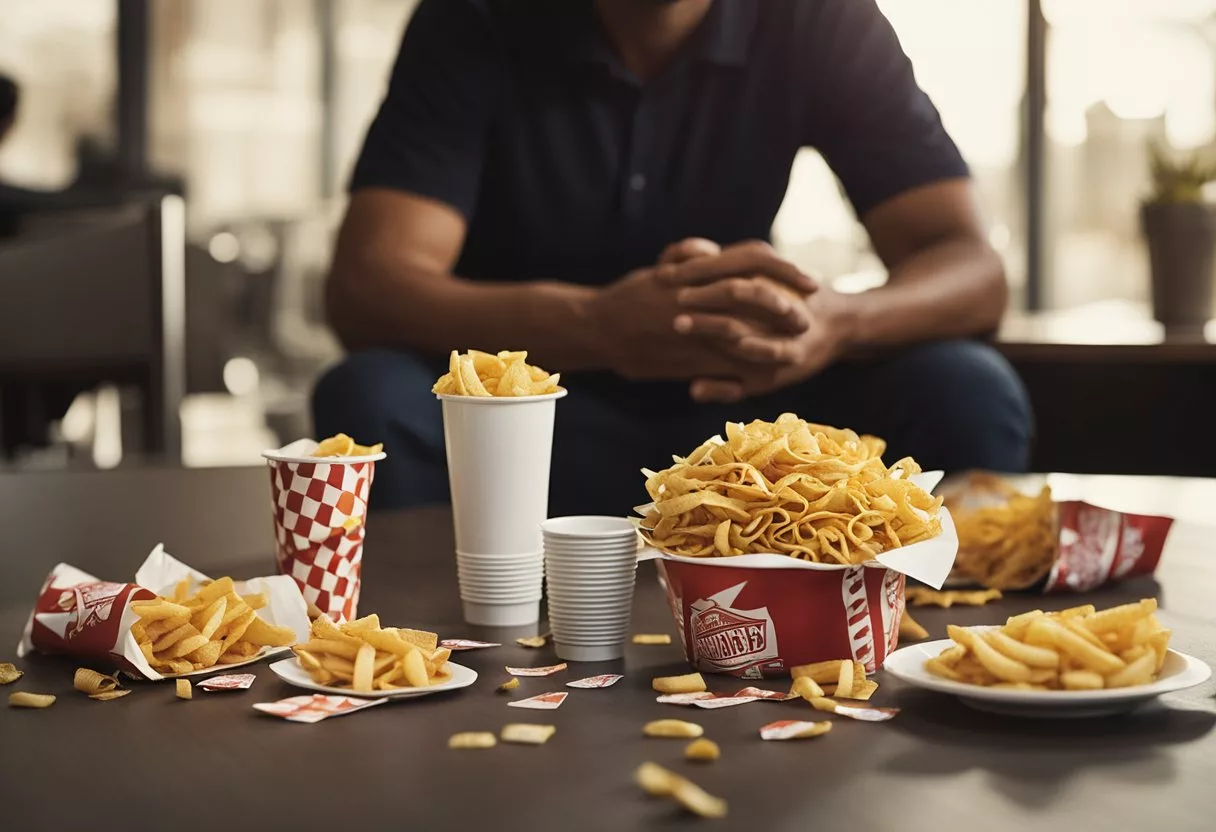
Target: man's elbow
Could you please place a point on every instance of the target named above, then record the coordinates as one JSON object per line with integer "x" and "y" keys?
{"x": 997, "y": 291}
{"x": 339, "y": 311}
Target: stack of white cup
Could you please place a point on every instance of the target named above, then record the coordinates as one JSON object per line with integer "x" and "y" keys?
{"x": 590, "y": 566}
{"x": 498, "y": 453}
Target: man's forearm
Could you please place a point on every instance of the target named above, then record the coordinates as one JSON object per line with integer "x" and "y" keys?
{"x": 953, "y": 289}
{"x": 434, "y": 314}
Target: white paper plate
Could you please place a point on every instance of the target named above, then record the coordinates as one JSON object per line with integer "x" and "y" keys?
{"x": 1179, "y": 672}
{"x": 289, "y": 671}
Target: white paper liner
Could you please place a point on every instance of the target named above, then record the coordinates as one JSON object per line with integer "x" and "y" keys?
{"x": 929, "y": 561}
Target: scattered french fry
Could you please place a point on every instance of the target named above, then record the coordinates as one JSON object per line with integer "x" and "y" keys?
{"x": 659, "y": 782}
{"x": 672, "y": 728}
{"x": 526, "y": 734}
{"x": 688, "y": 683}
{"x": 9, "y": 673}
{"x": 184, "y": 690}
{"x": 920, "y": 596}
{"x": 651, "y": 638}
{"x": 24, "y": 699}
{"x": 910, "y": 630}
{"x": 472, "y": 739}
{"x": 90, "y": 682}
{"x": 703, "y": 750}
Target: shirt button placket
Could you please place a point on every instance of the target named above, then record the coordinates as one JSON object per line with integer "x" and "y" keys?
{"x": 636, "y": 182}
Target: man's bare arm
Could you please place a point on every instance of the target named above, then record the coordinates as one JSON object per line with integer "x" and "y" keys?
{"x": 392, "y": 286}
{"x": 945, "y": 279}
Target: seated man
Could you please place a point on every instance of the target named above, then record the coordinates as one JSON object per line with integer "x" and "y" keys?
{"x": 590, "y": 180}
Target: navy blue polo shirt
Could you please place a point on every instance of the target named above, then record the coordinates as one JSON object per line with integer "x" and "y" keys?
{"x": 518, "y": 114}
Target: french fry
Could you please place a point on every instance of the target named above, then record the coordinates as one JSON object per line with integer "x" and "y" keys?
{"x": 91, "y": 682}
{"x": 923, "y": 596}
{"x": 651, "y": 638}
{"x": 361, "y": 674}
{"x": 688, "y": 683}
{"x": 526, "y": 734}
{"x": 25, "y": 699}
{"x": 9, "y": 673}
{"x": 415, "y": 669}
{"x": 820, "y": 672}
{"x": 807, "y": 688}
{"x": 472, "y": 739}
{"x": 1121, "y": 617}
{"x": 672, "y": 728}
{"x": 703, "y": 750}
{"x": 184, "y": 690}
{"x": 1139, "y": 672}
{"x": 157, "y": 609}
{"x": 1081, "y": 680}
{"x": 910, "y": 630}
{"x": 659, "y": 782}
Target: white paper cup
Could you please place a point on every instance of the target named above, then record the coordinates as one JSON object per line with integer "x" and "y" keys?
{"x": 501, "y": 590}
{"x": 501, "y": 615}
{"x": 498, "y": 452}
{"x": 590, "y": 570}
{"x": 589, "y": 528}
{"x": 574, "y": 653}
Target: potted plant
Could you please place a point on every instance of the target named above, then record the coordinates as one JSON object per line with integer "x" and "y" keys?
{"x": 1180, "y": 227}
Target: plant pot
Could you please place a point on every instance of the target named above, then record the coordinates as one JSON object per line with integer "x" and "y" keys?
{"x": 1182, "y": 252}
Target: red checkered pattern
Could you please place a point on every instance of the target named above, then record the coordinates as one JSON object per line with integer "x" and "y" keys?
{"x": 319, "y": 513}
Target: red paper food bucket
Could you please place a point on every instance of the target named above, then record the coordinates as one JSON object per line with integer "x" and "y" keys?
{"x": 320, "y": 512}
{"x": 755, "y": 616}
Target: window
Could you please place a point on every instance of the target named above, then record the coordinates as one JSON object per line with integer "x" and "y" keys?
{"x": 1120, "y": 73}
{"x": 981, "y": 109}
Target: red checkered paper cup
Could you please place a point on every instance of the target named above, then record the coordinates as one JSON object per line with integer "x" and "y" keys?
{"x": 320, "y": 511}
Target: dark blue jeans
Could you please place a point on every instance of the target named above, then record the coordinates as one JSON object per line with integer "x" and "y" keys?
{"x": 952, "y": 405}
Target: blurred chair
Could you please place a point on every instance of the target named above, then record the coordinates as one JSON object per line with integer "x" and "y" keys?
{"x": 89, "y": 298}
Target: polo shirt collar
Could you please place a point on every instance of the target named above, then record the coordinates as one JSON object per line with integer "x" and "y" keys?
{"x": 724, "y": 36}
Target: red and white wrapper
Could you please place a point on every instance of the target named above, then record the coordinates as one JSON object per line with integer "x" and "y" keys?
{"x": 541, "y": 702}
{"x": 77, "y": 614}
{"x": 788, "y": 729}
{"x": 711, "y": 701}
{"x": 866, "y": 713}
{"x": 548, "y": 670}
{"x": 456, "y": 644}
{"x": 756, "y": 616}
{"x": 320, "y": 511}
{"x": 605, "y": 680}
{"x": 315, "y": 708}
{"x": 1100, "y": 545}
{"x": 233, "y": 681}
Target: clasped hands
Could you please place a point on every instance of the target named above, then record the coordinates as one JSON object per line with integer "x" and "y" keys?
{"x": 734, "y": 322}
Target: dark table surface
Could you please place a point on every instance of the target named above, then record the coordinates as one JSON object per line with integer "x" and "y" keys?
{"x": 150, "y": 761}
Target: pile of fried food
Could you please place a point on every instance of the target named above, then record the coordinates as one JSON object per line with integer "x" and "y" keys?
{"x": 790, "y": 487}
{"x": 1074, "y": 649}
{"x": 1008, "y": 540}
{"x": 363, "y": 656}
{"x": 343, "y": 445}
{"x": 485, "y": 374}
{"x": 213, "y": 626}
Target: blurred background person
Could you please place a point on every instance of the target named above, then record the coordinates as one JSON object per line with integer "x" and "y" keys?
{"x": 593, "y": 182}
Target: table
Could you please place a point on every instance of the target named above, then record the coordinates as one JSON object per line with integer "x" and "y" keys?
{"x": 163, "y": 764}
